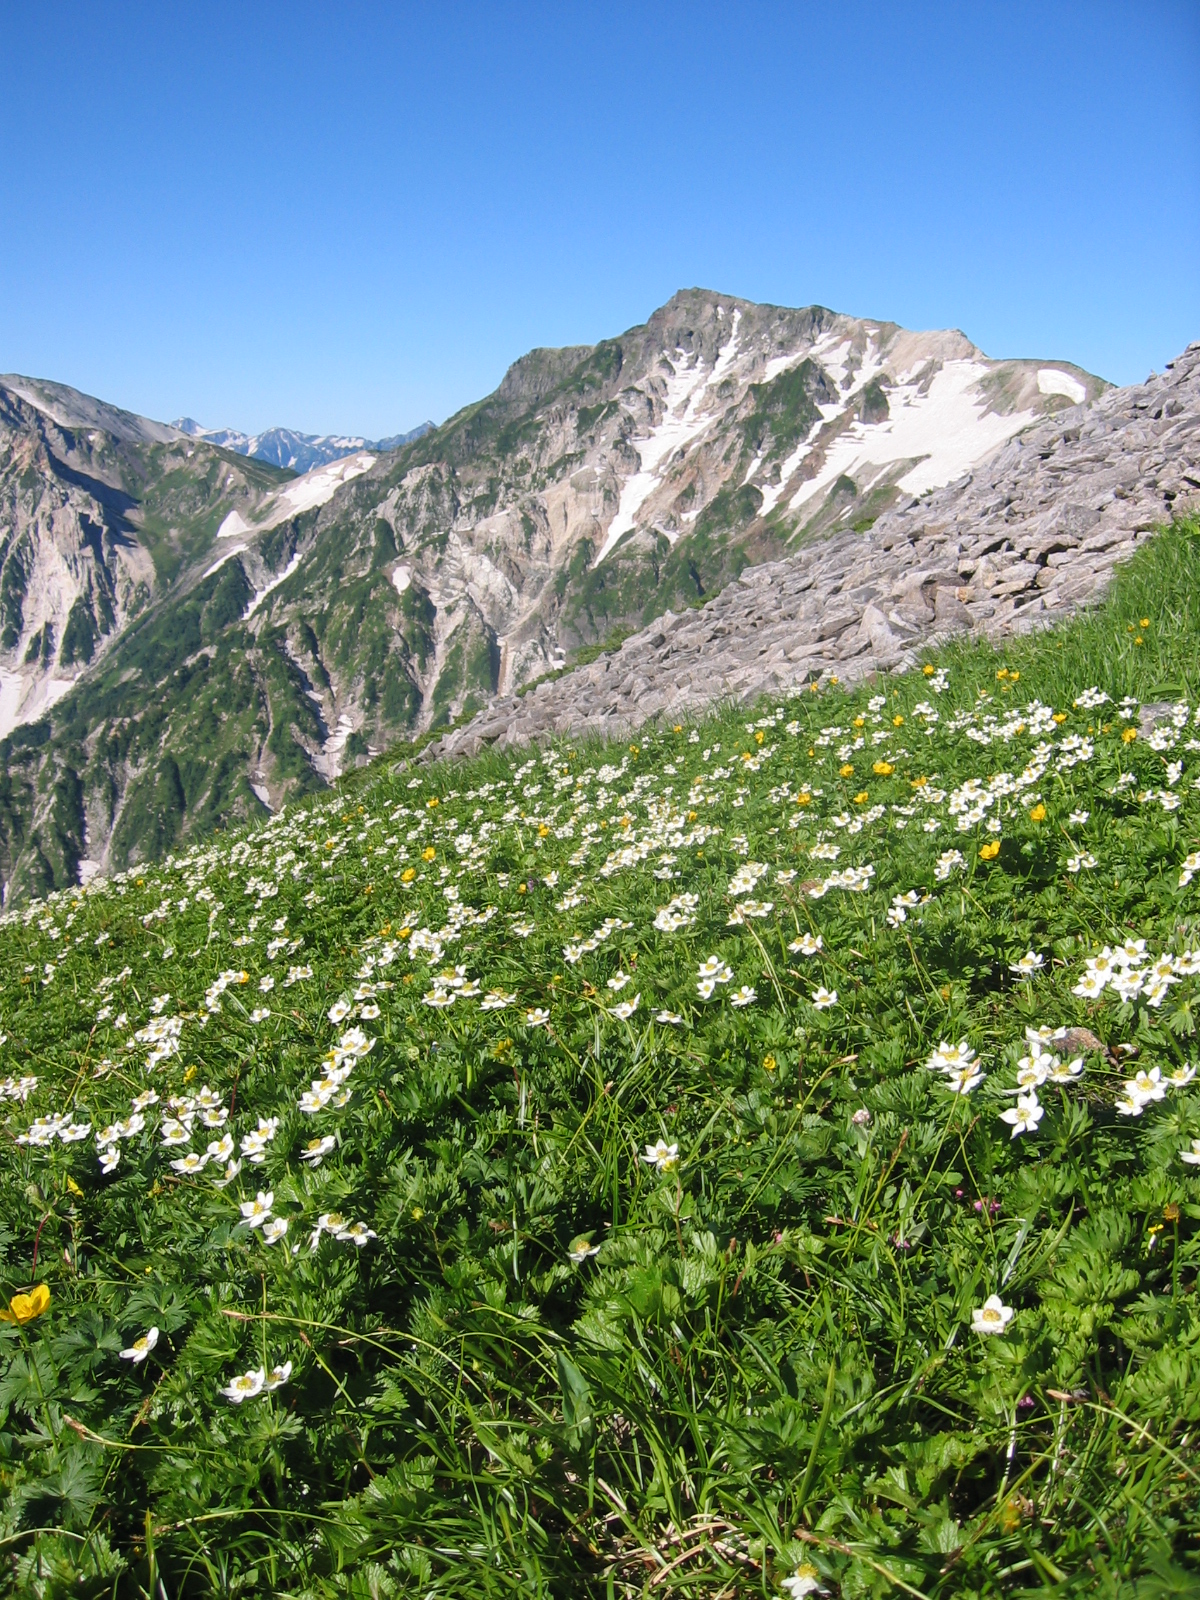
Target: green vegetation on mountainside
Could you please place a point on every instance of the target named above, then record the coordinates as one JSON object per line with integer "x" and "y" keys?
{"x": 761, "y": 1158}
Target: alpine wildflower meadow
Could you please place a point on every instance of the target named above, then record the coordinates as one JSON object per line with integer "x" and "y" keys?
{"x": 759, "y": 1157}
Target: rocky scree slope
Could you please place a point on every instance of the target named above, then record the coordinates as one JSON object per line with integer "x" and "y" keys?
{"x": 1030, "y": 535}
{"x": 303, "y": 624}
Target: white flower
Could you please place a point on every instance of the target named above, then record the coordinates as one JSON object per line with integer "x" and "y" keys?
{"x": 823, "y": 999}
{"x": 948, "y": 1056}
{"x": 744, "y": 996}
{"x": 174, "y": 1132}
{"x": 370, "y": 1012}
{"x": 1028, "y": 964}
{"x": 110, "y": 1156}
{"x": 961, "y": 1080}
{"x": 1090, "y": 986}
{"x": 806, "y": 945}
{"x": 220, "y": 1149}
{"x": 1082, "y": 862}
{"x": 1127, "y": 1105}
{"x": 277, "y": 1377}
{"x": 141, "y": 1348}
{"x": 259, "y": 1014}
{"x": 265, "y": 985}
{"x": 190, "y": 1163}
{"x": 804, "y": 1581}
{"x": 661, "y": 1155}
{"x": 316, "y": 1150}
{"x": 713, "y": 967}
{"x": 581, "y": 1249}
{"x": 705, "y": 988}
{"x": 1146, "y": 1086}
{"x": 1179, "y": 1077}
{"x": 618, "y": 981}
{"x": 1025, "y": 1115}
{"x": 357, "y": 1233}
{"x": 1079, "y": 817}
{"x": 1192, "y": 1156}
{"x": 993, "y": 1316}
{"x": 537, "y": 1017}
{"x": 274, "y": 1229}
{"x": 256, "y": 1211}
{"x": 339, "y": 1011}
{"x": 245, "y": 1386}
{"x": 625, "y": 1009}
{"x": 672, "y": 1018}
{"x": 496, "y": 1000}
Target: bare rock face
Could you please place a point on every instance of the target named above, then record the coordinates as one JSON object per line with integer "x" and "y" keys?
{"x": 1028, "y": 536}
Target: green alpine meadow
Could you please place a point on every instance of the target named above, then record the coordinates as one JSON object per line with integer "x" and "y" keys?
{"x": 756, "y": 1157}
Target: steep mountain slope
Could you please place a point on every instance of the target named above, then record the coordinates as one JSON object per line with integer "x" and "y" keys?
{"x": 300, "y": 452}
{"x": 309, "y": 622}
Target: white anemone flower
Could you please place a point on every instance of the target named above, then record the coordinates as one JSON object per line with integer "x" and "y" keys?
{"x": 1025, "y": 1115}
{"x": 624, "y": 1009}
{"x": 141, "y": 1348}
{"x": 671, "y": 1018}
{"x": 255, "y": 1212}
{"x": 804, "y": 1581}
{"x": 274, "y": 1229}
{"x": 661, "y": 1156}
{"x": 1191, "y": 1156}
{"x": 277, "y": 1377}
{"x": 961, "y": 1080}
{"x": 824, "y": 999}
{"x": 744, "y": 996}
{"x": 190, "y": 1163}
{"x": 315, "y": 1151}
{"x": 1028, "y": 964}
{"x": 245, "y": 1386}
{"x": 537, "y": 1017}
{"x": 993, "y": 1316}
{"x": 357, "y": 1233}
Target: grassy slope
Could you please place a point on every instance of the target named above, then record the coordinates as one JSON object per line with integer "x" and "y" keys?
{"x": 770, "y": 1359}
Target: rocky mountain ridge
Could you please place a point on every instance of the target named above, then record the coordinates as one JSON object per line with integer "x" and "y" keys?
{"x": 1031, "y": 534}
{"x": 299, "y": 452}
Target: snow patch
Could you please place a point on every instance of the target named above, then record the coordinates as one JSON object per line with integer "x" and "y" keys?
{"x": 1052, "y": 381}
{"x": 221, "y": 560}
{"x": 315, "y": 488}
{"x": 401, "y": 577}
{"x": 681, "y": 423}
{"x": 233, "y": 524}
{"x": 945, "y": 432}
{"x": 263, "y": 793}
{"x": 274, "y": 584}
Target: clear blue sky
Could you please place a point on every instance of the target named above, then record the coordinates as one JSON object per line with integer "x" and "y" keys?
{"x": 352, "y": 217}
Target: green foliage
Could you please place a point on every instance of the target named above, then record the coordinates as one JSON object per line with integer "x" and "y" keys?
{"x": 610, "y": 1285}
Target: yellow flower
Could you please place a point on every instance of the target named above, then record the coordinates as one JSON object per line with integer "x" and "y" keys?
{"x": 927, "y": 669}
{"x": 883, "y": 769}
{"x": 678, "y": 727}
{"x": 1002, "y": 673}
{"x": 24, "y": 1307}
{"x": 692, "y": 816}
{"x": 835, "y": 680}
{"x": 1129, "y": 736}
{"x": 428, "y": 853}
{"x": 759, "y": 737}
{"x": 989, "y": 852}
{"x": 804, "y": 798}
{"x": 897, "y": 721}
{"x": 431, "y": 803}
{"x": 769, "y": 1063}
{"x": 860, "y": 799}
{"x": 1144, "y": 623}
{"x": 860, "y": 722}
{"x": 846, "y": 771}
{"x": 918, "y": 783}
{"x": 633, "y": 749}
{"x": 543, "y": 830}
{"x": 408, "y": 874}
{"x": 1037, "y": 813}
{"x": 1059, "y": 716}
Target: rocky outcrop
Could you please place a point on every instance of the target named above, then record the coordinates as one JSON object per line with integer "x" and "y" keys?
{"x": 1027, "y": 537}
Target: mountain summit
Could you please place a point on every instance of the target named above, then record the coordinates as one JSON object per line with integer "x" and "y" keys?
{"x": 299, "y": 452}
{"x": 189, "y": 633}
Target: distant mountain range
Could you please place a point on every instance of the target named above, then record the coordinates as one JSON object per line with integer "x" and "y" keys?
{"x": 284, "y": 447}
{"x": 191, "y": 633}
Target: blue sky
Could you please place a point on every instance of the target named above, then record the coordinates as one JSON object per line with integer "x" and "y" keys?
{"x": 354, "y": 217}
